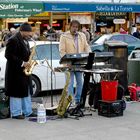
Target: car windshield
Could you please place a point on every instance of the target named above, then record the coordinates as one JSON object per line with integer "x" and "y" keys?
{"x": 94, "y": 39}
{"x": 102, "y": 39}
{"x": 47, "y": 51}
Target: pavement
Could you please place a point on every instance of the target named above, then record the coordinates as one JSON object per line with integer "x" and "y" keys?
{"x": 95, "y": 127}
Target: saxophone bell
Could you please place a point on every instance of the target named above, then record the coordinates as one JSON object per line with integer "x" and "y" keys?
{"x": 28, "y": 70}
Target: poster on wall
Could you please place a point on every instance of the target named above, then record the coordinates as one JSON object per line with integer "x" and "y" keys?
{"x": 137, "y": 19}
{"x": 83, "y": 19}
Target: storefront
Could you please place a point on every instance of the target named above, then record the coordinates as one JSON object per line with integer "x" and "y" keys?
{"x": 105, "y": 21}
{"x": 43, "y": 19}
{"x": 103, "y": 14}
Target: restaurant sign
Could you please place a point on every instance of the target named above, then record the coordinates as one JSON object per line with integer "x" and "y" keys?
{"x": 90, "y": 7}
{"x": 20, "y": 9}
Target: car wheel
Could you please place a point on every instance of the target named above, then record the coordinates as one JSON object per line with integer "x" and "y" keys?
{"x": 36, "y": 86}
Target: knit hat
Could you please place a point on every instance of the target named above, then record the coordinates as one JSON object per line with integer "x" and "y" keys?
{"x": 25, "y": 27}
{"x": 12, "y": 29}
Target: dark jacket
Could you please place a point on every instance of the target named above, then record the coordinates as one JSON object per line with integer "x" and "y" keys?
{"x": 16, "y": 82}
{"x": 136, "y": 34}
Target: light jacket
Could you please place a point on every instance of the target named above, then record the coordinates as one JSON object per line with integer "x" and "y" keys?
{"x": 67, "y": 45}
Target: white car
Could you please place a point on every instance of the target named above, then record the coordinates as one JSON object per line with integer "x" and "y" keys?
{"x": 43, "y": 76}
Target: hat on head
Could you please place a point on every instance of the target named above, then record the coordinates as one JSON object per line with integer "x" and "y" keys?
{"x": 25, "y": 27}
{"x": 12, "y": 29}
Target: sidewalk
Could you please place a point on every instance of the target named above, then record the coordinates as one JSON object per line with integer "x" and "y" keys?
{"x": 126, "y": 127}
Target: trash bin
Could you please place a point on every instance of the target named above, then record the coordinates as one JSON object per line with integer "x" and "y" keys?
{"x": 134, "y": 67}
{"x": 119, "y": 61}
{"x": 109, "y": 90}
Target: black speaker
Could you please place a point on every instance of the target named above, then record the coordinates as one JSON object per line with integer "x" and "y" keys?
{"x": 119, "y": 61}
{"x": 111, "y": 108}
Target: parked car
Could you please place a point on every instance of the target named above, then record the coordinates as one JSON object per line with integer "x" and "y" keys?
{"x": 98, "y": 44}
{"x": 43, "y": 75}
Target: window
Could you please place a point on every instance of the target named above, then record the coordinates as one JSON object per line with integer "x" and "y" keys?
{"x": 130, "y": 39}
{"x": 117, "y": 38}
{"x": 45, "y": 51}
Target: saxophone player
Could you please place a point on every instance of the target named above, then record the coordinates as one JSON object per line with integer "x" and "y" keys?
{"x": 17, "y": 84}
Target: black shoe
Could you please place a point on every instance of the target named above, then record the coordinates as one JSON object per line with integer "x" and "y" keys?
{"x": 32, "y": 115}
{"x": 20, "y": 117}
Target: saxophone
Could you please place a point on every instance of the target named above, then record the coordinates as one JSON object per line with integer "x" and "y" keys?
{"x": 65, "y": 99}
{"x": 28, "y": 70}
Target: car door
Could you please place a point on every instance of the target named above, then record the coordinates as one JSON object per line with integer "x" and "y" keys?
{"x": 2, "y": 67}
{"x": 57, "y": 79}
{"x": 49, "y": 57}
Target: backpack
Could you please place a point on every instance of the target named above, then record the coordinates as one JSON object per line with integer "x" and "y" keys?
{"x": 134, "y": 92}
{"x": 4, "y": 105}
{"x": 90, "y": 35}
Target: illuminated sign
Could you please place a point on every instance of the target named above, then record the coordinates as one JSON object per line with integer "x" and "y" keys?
{"x": 119, "y": 21}
{"x": 20, "y": 9}
{"x": 90, "y": 7}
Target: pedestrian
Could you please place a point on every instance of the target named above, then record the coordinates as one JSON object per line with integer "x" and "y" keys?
{"x": 123, "y": 31}
{"x": 87, "y": 34}
{"x": 17, "y": 84}
{"x": 51, "y": 33}
{"x": 7, "y": 36}
{"x": 72, "y": 42}
{"x": 137, "y": 33}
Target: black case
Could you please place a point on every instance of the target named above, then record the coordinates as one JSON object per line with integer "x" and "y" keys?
{"x": 110, "y": 108}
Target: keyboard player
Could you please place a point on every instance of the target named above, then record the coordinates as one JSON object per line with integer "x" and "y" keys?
{"x": 74, "y": 41}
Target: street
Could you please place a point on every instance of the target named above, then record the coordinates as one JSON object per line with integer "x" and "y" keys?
{"x": 93, "y": 127}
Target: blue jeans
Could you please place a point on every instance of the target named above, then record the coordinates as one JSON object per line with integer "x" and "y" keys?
{"x": 19, "y": 106}
{"x": 79, "y": 85}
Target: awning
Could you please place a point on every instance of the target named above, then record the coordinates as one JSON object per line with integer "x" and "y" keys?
{"x": 90, "y": 7}
{"x": 20, "y": 9}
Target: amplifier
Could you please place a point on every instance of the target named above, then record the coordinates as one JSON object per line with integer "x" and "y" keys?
{"x": 110, "y": 108}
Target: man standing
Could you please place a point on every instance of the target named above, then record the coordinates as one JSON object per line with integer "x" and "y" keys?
{"x": 84, "y": 30}
{"x": 137, "y": 33}
{"x": 71, "y": 42}
{"x": 51, "y": 33}
{"x": 17, "y": 84}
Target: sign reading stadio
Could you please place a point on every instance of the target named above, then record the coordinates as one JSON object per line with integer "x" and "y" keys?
{"x": 20, "y": 10}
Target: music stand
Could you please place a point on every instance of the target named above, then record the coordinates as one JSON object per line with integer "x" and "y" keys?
{"x": 41, "y": 55}
{"x": 51, "y": 110}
